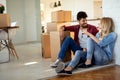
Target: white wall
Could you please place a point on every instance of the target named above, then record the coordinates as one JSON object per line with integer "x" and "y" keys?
{"x": 78, "y": 5}
{"x": 73, "y": 5}
{"x": 111, "y": 8}
{"x": 27, "y": 14}
{"x": 4, "y": 3}
{"x": 30, "y": 19}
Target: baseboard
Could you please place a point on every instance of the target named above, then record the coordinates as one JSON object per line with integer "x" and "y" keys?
{"x": 79, "y": 70}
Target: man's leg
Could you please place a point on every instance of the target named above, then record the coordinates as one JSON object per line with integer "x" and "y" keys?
{"x": 67, "y": 43}
{"x": 61, "y": 69}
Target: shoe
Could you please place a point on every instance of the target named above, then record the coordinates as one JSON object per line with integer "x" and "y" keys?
{"x": 63, "y": 72}
{"x": 55, "y": 64}
{"x": 60, "y": 66}
{"x": 84, "y": 65}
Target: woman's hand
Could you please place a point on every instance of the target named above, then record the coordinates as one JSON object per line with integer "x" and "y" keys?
{"x": 90, "y": 35}
{"x": 84, "y": 31}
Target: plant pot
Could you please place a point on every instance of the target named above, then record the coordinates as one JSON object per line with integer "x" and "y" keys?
{"x": 1, "y": 11}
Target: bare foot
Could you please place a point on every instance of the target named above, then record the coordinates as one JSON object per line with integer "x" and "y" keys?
{"x": 69, "y": 68}
{"x": 88, "y": 62}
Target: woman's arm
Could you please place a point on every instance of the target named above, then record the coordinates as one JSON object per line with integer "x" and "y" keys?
{"x": 90, "y": 35}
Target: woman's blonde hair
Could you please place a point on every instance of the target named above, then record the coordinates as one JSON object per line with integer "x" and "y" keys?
{"x": 107, "y": 25}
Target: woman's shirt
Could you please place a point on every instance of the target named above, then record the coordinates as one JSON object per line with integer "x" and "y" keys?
{"x": 107, "y": 43}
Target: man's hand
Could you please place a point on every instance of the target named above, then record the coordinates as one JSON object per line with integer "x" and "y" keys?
{"x": 62, "y": 34}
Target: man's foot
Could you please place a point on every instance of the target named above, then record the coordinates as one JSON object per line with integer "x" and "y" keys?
{"x": 55, "y": 64}
{"x": 60, "y": 66}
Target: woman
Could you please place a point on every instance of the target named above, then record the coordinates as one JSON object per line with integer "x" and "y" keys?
{"x": 99, "y": 48}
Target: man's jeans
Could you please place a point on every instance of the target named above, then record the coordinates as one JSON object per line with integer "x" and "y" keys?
{"x": 68, "y": 43}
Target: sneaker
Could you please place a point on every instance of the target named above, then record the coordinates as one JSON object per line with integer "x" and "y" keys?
{"x": 55, "y": 64}
{"x": 63, "y": 72}
{"x": 60, "y": 66}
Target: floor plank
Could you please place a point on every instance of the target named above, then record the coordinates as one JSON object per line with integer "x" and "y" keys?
{"x": 108, "y": 73}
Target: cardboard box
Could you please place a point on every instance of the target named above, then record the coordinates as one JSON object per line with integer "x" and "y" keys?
{"x": 46, "y": 53}
{"x": 61, "y": 16}
{"x": 55, "y": 44}
{"x": 57, "y": 16}
{"x": 53, "y": 26}
{"x": 67, "y": 16}
{"x": 4, "y": 20}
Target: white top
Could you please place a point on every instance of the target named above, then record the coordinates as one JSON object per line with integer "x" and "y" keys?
{"x": 82, "y": 39}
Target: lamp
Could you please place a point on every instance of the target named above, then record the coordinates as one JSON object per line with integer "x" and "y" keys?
{"x": 59, "y": 3}
{"x": 55, "y": 4}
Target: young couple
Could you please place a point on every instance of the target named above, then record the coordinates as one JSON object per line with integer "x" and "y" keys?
{"x": 89, "y": 46}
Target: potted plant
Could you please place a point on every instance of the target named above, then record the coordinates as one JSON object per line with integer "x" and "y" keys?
{"x": 2, "y": 8}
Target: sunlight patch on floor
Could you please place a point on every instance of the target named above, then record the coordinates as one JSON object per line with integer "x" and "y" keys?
{"x": 30, "y": 63}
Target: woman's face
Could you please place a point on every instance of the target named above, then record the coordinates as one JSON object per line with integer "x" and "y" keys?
{"x": 99, "y": 27}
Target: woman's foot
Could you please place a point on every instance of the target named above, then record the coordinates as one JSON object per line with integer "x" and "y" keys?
{"x": 65, "y": 71}
{"x": 87, "y": 64}
{"x": 68, "y": 68}
{"x": 84, "y": 65}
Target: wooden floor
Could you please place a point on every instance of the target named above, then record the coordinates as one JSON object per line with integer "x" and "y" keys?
{"x": 108, "y": 73}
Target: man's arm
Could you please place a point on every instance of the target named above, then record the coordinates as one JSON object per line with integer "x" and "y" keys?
{"x": 62, "y": 34}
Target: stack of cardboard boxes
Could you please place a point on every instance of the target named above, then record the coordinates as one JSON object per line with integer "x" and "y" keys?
{"x": 46, "y": 52}
{"x": 58, "y": 18}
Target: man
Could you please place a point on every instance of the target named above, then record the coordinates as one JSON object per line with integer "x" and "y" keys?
{"x": 79, "y": 42}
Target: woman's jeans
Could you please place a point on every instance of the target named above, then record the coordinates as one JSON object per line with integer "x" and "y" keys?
{"x": 68, "y": 43}
{"x": 79, "y": 57}
{"x": 96, "y": 52}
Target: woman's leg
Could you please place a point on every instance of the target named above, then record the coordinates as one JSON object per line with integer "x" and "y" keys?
{"x": 74, "y": 62}
{"x": 90, "y": 50}
{"x": 100, "y": 56}
{"x": 94, "y": 50}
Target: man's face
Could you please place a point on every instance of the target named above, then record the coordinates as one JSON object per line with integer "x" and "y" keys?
{"x": 83, "y": 22}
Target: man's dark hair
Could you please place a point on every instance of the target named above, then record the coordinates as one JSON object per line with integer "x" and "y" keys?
{"x": 81, "y": 14}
